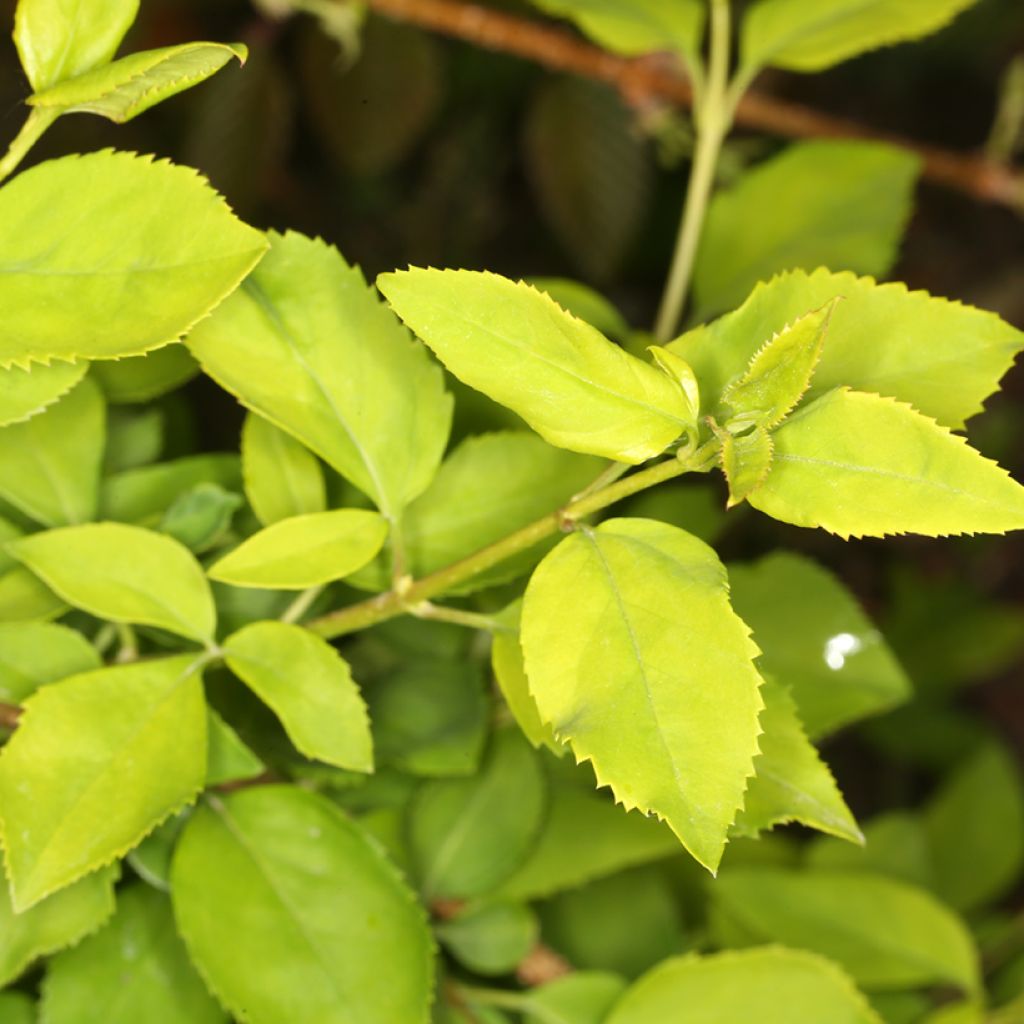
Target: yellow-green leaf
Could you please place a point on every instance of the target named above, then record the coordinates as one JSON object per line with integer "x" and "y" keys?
{"x": 124, "y": 574}
{"x": 636, "y": 659}
{"x": 860, "y": 465}
{"x": 133, "y": 84}
{"x": 519, "y": 347}
{"x": 746, "y": 462}
{"x": 307, "y": 683}
{"x": 33, "y": 654}
{"x": 82, "y": 232}
{"x": 24, "y": 393}
{"x": 304, "y": 551}
{"x": 97, "y": 762}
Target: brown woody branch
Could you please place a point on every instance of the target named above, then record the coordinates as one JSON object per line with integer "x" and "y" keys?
{"x": 9, "y": 715}
{"x": 645, "y": 79}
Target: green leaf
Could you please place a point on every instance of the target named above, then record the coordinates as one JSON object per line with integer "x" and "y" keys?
{"x": 430, "y": 717}
{"x": 585, "y": 837}
{"x": 35, "y": 653}
{"x": 469, "y": 835}
{"x": 771, "y": 986}
{"x": 817, "y": 640}
{"x": 25, "y": 598}
{"x": 304, "y": 551}
{"x": 510, "y": 675}
{"x": 826, "y": 203}
{"x": 136, "y": 968}
{"x": 84, "y": 231}
{"x": 309, "y": 687}
{"x": 635, "y": 27}
{"x": 519, "y": 347}
{"x": 943, "y": 358}
{"x": 133, "y": 84}
{"x": 25, "y": 393}
{"x": 797, "y": 36}
{"x": 791, "y": 782}
{"x": 975, "y": 826}
{"x": 861, "y": 465}
{"x": 887, "y": 934}
{"x": 228, "y": 759}
{"x": 779, "y": 374}
{"x": 109, "y": 569}
{"x": 337, "y": 373}
{"x": 746, "y": 462}
{"x": 143, "y": 378}
{"x": 50, "y": 465}
{"x": 490, "y": 486}
{"x": 282, "y": 478}
{"x": 583, "y": 997}
{"x": 144, "y": 495}
{"x": 97, "y": 761}
{"x": 135, "y": 437}
{"x": 624, "y": 923}
{"x": 58, "y": 921}
{"x": 586, "y": 304}
{"x": 491, "y": 939}
{"x": 625, "y": 628}
{"x": 201, "y": 517}
{"x": 57, "y": 39}
{"x": 151, "y": 859}
{"x": 291, "y": 913}
{"x": 17, "y": 1008}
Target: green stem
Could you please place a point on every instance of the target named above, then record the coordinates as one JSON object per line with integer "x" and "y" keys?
{"x": 301, "y": 604}
{"x": 129, "y": 650}
{"x": 713, "y": 119}
{"x": 402, "y": 600}
{"x": 38, "y": 120}
{"x": 458, "y": 616}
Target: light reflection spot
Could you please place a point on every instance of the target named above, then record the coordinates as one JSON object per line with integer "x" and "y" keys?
{"x": 839, "y": 647}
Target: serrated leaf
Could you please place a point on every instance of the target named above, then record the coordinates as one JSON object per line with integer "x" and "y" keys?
{"x": 282, "y": 478}
{"x": 510, "y": 675}
{"x": 96, "y": 762}
{"x": 136, "y": 968}
{"x": 491, "y": 939}
{"x": 585, "y": 837}
{"x": 771, "y": 985}
{"x": 108, "y": 569}
{"x": 836, "y": 664}
{"x": 586, "y": 304}
{"x": 84, "y": 231}
{"x": 50, "y": 465}
{"x": 289, "y": 912}
{"x": 228, "y": 759}
{"x": 583, "y": 997}
{"x": 746, "y": 461}
{"x": 519, "y": 347}
{"x": 25, "y": 393}
{"x": 58, "y": 921}
{"x": 635, "y": 27}
{"x": 127, "y": 87}
{"x": 309, "y": 687}
{"x": 942, "y": 357}
{"x": 625, "y": 628}
{"x": 861, "y": 465}
{"x": 797, "y": 36}
{"x": 339, "y": 373}
{"x": 791, "y": 782}
{"x": 468, "y": 835}
{"x": 304, "y": 551}
{"x": 35, "y": 653}
{"x": 143, "y": 378}
{"x": 58, "y": 39}
{"x": 975, "y": 828}
{"x": 842, "y": 204}
{"x": 780, "y": 373}
{"x": 887, "y": 934}
{"x": 144, "y": 495}
{"x": 490, "y": 486}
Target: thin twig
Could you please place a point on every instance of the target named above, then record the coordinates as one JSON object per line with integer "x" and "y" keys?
{"x": 651, "y": 78}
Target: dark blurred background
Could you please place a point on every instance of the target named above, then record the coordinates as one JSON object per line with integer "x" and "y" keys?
{"x": 420, "y": 149}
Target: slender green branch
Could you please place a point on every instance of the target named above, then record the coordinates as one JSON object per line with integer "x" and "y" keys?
{"x": 129, "y": 649}
{"x": 38, "y": 120}
{"x": 301, "y": 604}
{"x": 713, "y": 118}
{"x": 405, "y": 599}
{"x": 458, "y": 617}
